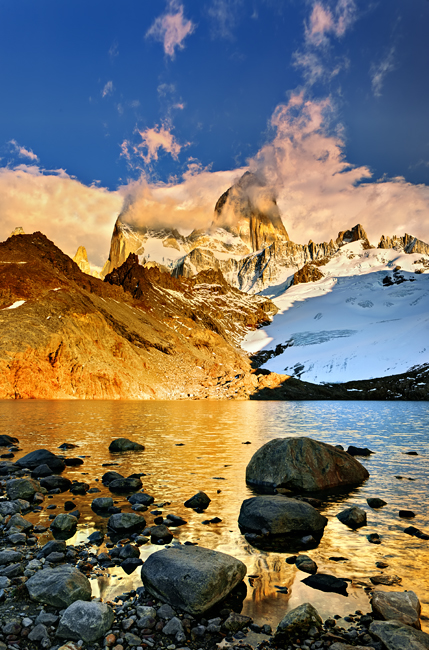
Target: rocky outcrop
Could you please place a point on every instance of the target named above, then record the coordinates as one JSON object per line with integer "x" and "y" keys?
{"x": 403, "y": 606}
{"x": 407, "y": 243}
{"x": 191, "y": 578}
{"x": 308, "y": 273}
{"x": 355, "y": 234}
{"x": 303, "y": 464}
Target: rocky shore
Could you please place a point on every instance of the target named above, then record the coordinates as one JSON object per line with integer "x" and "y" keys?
{"x": 190, "y": 597}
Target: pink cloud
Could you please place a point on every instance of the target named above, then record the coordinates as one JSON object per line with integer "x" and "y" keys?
{"x": 152, "y": 141}
{"x": 23, "y": 152}
{"x": 171, "y": 28}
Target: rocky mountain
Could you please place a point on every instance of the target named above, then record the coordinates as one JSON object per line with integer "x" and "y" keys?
{"x": 141, "y": 334}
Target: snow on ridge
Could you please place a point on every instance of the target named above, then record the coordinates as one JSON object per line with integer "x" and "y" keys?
{"x": 350, "y": 325}
{"x": 16, "y": 304}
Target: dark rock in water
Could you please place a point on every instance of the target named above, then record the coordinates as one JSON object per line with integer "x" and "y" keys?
{"x": 68, "y": 445}
{"x": 160, "y": 535}
{"x": 123, "y": 485}
{"x": 73, "y": 462}
{"x": 174, "y": 520}
{"x": 142, "y": 498}
{"x": 375, "y": 502}
{"x": 291, "y": 559}
{"x": 279, "y": 516}
{"x": 79, "y": 488}
{"x": 415, "y": 532}
{"x": 128, "y": 551}
{"x": 407, "y": 514}
{"x": 96, "y": 538}
{"x": 86, "y": 621}
{"x": 303, "y": 465}
{"x": 64, "y": 526}
{"x": 403, "y": 606}
{"x": 298, "y": 621}
{"x": 326, "y": 582}
{"x": 316, "y": 503}
{"x": 306, "y": 564}
{"x": 410, "y": 453}
{"x": 236, "y": 622}
{"x": 102, "y": 503}
{"x": 22, "y": 488}
{"x": 191, "y": 578}
{"x": 381, "y": 565}
{"x": 123, "y": 444}
{"x": 199, "y": 500}
{"x": 41, "y": 457}
{"x": 339, "y": 559}
{"x": 110, "y": 476}
{"x": 56, "y": 482}
{"x": 394, "y": 635}
{"x": 388, "y": 581}
{"x": 130, "y": 564}
{"x": 353, "y": 517}
{"x": 10, "y": 454}
{"x": 374, "y": 538}
{"x": 41, "y": 471}
{"x": 6, "y": 440}
{"x": 359, "y": 451}
{"x": 59, "y": 587}
{"x": 69, "y": 505}
{"x": 75, "y": 513}
{"x": 126, "y": 523}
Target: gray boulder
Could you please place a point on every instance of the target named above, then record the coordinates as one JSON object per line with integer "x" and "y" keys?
{"x": 279, "y": 515}
{"x": 22, "y": 488}
{"x": 19, "y": 522}
{"x": 304, "y": 465}
{"x": 191, "y": 578}
{"x": 85, "y": 620}
{"x": 403, "y": 606}
{"x": 9, "y": 508}
{"x": 123, "y": 444}
{"x": 41, "y": 457}
{"x": 299, "y": 620}
{"x": 102, "y": 503}
{"x": 59, "y": 587}
{"x": 64, "y": 526}
{"x": 173, "y": 626}
{"x": 141, "y": 498}
{"x": 8, "y": 556}
{"x": 125, "y": 523}
{"x": 397, "y": 636}
{"x": 353, "y": 517}
{"x": 56, "y": 483}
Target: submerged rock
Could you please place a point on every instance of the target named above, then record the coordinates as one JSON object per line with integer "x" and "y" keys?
{"x": 191, "y": 578}
{"x": 123, "y": 444}
{"x": 304, "y": 465}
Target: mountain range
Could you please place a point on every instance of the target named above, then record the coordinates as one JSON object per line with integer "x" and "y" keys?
{"x": 236, "y": 310}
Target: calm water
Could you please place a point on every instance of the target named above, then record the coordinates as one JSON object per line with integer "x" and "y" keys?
{"x": 213, "y": 458}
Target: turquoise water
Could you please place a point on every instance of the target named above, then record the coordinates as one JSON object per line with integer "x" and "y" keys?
{"x": 213, "y": 458}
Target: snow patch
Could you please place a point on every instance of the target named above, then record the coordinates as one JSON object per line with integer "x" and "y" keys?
{"x": 16, "y": 304}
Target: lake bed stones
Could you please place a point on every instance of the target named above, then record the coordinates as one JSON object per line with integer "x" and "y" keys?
{"x": 85, "y": 620}
{"x": 303, "y": 465}
{"x": 59, "y": 587}
{"x": 191, "y": 578}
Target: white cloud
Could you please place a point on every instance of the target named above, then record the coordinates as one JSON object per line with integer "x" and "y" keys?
{"x": 114, "y": 50}
{"x": 379, "y": 71}
{"x": 66, "y": 211}
{"x": 224, "y": 16}
{"x": 23, "y": 152}
{"x": 108, "y": 89}
{"x": 171, "y": 28}
{"x": 152, "y": 140}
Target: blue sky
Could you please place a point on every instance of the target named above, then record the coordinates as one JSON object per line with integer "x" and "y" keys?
{"x": 116, "y": 93}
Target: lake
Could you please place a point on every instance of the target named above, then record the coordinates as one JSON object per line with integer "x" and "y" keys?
{"x": 192, "y": 446}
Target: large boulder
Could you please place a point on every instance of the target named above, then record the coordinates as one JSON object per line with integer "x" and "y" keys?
{"x": 303, "y": 465}
{"x": 403, "y": 606}
{"x": 59, "y": 587}
{"x": 41, "y": 457}
{"x": 22, "y": 488}
{"x": 298, "y": 621}
{"x": 85, "y": 620}
{"x": 56, "y": 483}
{"x": 64, "y": 526}
{"x": 123, "y": 444}
{"x": 278, "y": 519}
{"x": 191, "y": 578}
{"x": 396, "y": 636}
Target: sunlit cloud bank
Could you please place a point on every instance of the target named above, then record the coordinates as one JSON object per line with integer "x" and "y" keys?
{"x": 66, "y": 211}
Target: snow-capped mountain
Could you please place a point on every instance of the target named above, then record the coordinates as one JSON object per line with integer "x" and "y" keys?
{"x": 367, "y": 316}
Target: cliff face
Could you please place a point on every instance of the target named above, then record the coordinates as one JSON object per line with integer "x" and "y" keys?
{"x": 140, "y": 335}
{"x": 407, "y": 243}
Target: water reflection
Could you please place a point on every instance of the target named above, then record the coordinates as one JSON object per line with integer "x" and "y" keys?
{"x": 212, "y": 457}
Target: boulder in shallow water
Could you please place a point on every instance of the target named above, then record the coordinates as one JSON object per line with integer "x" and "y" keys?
{"x": 304, "y": 465}
{"x": 56, "y": 483}
{"x": 276, "y": 515}
{"x": 375, "y": 502}
{"x": 124, "y": 485}
{"x": 298, "y": 621}
{"x": 41, "y": 457}
{"x": 191, "y": 578}
{"x": 22, "y": 488}
{"x": 64, "y": 526}
{"x": 403, "y": 606}
{"x": 327, "y": 583}
{"x": 199, "y": 500}
{"x": 123, "y": 444}
{"x": 352, "y": 517}
{"x": 396, "y": 636}
{"x": 59, "y": 587}
{"x": 85, "y": 620}
{"x": 6, "y": 440}
{"x": 102, "y": 503}
{"x": 126, "y": 523}
{"x": 141, "y": 498}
